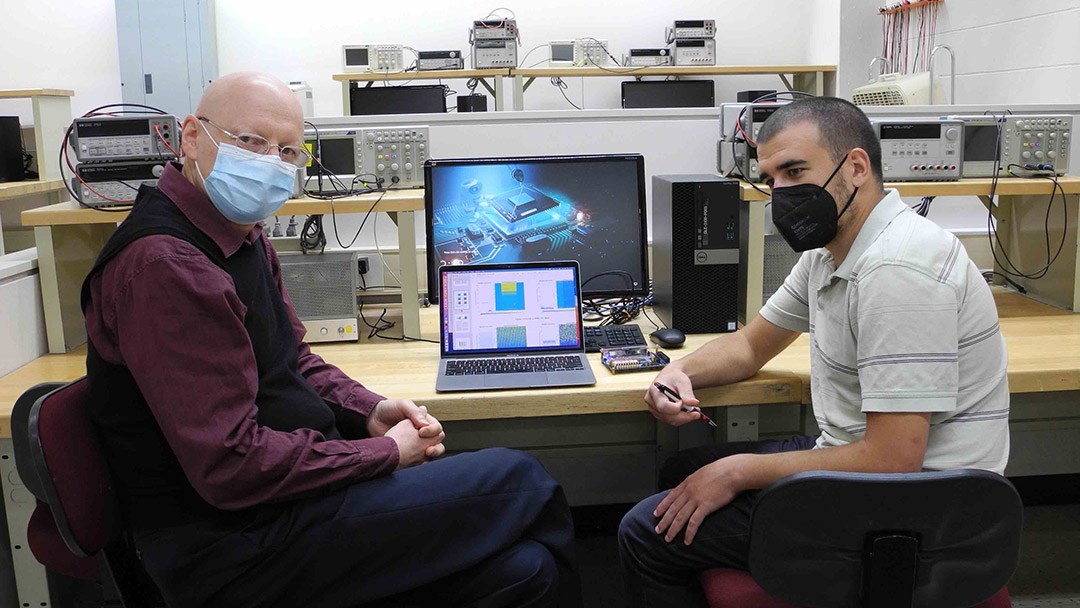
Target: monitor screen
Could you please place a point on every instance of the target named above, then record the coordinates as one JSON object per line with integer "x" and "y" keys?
{"x": 489, "y": 310}
{"x": 337, "y": 157}
{"x": 980, "y": 143}
{"x": 562, "y": 51}
{"x": 590, "y": 209}
{"x": 422, "y": 99}
{"x": 356, "y": 56}
{"x": 668, "y": 94}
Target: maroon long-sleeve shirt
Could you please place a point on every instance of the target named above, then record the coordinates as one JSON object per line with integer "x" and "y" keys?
{"x": 173, "y": 318}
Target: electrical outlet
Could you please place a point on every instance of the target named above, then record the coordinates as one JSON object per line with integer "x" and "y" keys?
{"x": 371, "y": 270}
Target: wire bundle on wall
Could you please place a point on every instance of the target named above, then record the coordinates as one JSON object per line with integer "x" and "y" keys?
{"x": 896, "y": 35}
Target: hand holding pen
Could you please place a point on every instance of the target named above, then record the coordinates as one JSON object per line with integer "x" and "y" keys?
{"x": 675, "y": 398}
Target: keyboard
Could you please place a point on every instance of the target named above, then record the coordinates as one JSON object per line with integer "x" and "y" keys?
{"x": 513, "y": 365}
{"x": 612, "y": 336}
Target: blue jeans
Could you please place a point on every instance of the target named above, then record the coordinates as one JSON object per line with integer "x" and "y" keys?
{"x": 658, "y": 573}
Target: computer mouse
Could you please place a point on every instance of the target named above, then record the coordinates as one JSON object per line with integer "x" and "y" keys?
{"x": 668, "y": 337}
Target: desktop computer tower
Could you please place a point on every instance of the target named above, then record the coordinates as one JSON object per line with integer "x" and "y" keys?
{"x": 695, "y": 230}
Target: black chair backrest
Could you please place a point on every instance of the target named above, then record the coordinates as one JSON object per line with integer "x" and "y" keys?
{"x": 20, "y": 437}
{"x": 831, "y": 539}
{"x": 72, "y": 470}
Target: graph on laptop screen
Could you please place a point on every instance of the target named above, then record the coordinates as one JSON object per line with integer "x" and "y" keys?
{"x": 528, "y": 209}
{"x": 510, "y": 310}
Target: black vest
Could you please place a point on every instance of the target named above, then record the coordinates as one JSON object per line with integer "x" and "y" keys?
{"x": 151, "y": 485}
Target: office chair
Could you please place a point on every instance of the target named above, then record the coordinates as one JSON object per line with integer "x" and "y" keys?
{"x": 77, "y": 518}
{"x": 942, "y": 539}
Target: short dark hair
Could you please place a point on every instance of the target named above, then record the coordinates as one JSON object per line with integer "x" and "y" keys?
{"x": 843, "y": 126}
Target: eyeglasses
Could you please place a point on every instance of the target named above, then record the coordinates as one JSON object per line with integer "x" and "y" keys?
{"x": 294, "y": 155}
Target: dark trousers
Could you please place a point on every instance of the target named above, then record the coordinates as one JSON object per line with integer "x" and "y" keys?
{"x": 488, "y": 528}
{"x": 662, "y": 574}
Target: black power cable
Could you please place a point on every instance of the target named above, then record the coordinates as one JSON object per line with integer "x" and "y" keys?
{"x": 312, "y": 236}
{"x": 614, "y": 311}
{"x": 562, "y": 86}
{"x": 381, "y": 324}
{"x": 1036, "y": 172}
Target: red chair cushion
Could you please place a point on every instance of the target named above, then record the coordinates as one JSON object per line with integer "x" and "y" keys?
{"x": 50, "y": 550}
{"x": 1001, "y": 599}
{"x": 77, "y": 468}
{"x": 726, "y": 588}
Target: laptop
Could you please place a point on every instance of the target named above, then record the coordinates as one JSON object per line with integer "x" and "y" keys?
{"x": 511, "y": 326}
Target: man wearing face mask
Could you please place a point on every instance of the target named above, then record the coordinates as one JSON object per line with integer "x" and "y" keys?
{"x": 907, "y": 361}
{"x": 250, "y": 471}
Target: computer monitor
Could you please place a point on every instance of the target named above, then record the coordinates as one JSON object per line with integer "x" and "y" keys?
{"x": 588, "y": 208}
{"x": 420, "y": 99}
{"x": 668, "y": 94}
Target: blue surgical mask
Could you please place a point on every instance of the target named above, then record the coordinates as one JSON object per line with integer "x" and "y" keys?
{"x": 247, "y": 187}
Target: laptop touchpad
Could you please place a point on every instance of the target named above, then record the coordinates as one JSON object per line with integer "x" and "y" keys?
{"x": 515, "y": 380}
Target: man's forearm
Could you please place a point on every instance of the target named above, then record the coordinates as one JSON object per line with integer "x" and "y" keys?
{"x": 756, "y": 471}
{"x": 723, "y": 360}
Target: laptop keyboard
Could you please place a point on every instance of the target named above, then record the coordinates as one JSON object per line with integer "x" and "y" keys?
{"x": 512, "y": 365}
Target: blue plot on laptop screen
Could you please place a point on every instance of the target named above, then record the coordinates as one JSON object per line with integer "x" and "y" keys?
{"x": 510, "y": 296}
{"x": 568, "y": 334}
{"x": 566, "y": 294}
{"x": 511, "y": 336}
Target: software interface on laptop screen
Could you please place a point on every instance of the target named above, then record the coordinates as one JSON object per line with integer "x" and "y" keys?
{"x": 542, "y": 210}
{"x": 499, "y": 310}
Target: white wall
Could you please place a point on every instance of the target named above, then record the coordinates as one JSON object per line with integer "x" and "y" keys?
{"x": 255, "y": 35}
{"x": 60, "y": 44}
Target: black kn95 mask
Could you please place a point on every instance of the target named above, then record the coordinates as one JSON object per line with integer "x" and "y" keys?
{"x": 805, "y": 214}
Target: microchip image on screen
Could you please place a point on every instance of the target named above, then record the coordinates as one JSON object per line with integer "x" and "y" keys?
{"x": 589, "y": 209}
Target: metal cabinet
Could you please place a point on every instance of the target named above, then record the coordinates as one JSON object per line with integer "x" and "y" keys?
{"x": 168, "y": 52}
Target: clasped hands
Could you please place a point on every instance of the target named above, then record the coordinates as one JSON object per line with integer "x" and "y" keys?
{"x": 418, "y": 434}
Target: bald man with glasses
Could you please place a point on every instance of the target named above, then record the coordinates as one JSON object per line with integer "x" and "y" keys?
{"x": 250, "y": 471}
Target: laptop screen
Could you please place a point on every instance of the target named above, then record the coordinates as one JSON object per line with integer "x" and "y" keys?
{"x": 503, "y": 310}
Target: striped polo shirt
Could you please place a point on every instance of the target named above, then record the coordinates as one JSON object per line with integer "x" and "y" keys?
{"x": 905, "y": 324}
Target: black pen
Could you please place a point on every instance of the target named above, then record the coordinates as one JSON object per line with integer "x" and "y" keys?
{"x": 675, "y": 398}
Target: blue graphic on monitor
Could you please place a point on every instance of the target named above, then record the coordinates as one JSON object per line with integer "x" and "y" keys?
{"x": 568, "y": 334}
{"x": 509, "y": 296}
{"x": 510, "y": 336}
{"x": 566, "y": 294}
{"x": 541, "y": 211}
